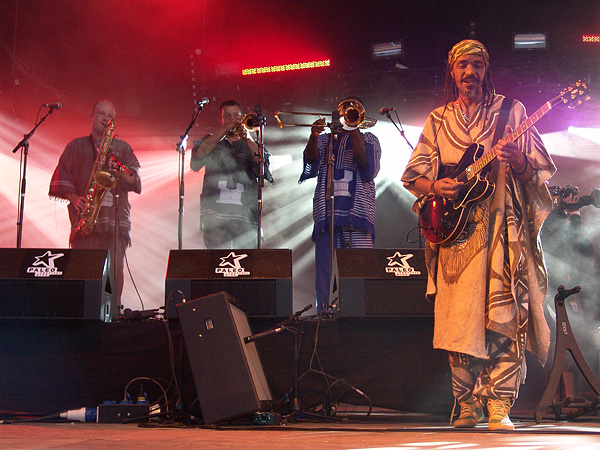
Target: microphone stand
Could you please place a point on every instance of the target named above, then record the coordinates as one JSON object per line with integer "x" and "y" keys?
{"x": 24, "y": 146}
{"x": 117, "y": 200}
{"x": 400, "y": 129}
{"x": 181, "y": 150}
{"x": 287, "y": 325}
{"x": 261, "y": 170}
{"x": 335, "y": 127}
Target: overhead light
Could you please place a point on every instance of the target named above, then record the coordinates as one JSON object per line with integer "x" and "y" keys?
{"x": 387, "y": 50}
{"x": 287, "y": 67}
{"x": 530, "y": 41}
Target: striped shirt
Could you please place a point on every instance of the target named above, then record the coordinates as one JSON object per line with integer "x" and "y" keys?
{"x": 354, "y": 186}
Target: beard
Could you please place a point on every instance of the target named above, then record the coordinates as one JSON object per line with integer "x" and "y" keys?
{"x": 472, "y": 92}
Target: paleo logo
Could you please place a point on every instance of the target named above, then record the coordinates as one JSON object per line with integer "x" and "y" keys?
{"x": 230, "y": 265}
{"x": 399, "y": 266}
{"x": 43, "y": 266}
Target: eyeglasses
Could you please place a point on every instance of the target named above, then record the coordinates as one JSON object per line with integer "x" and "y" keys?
{"x": 102, "y": 114}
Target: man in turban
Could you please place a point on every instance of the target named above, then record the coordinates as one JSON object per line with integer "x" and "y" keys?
{"x": 488, "y": 282}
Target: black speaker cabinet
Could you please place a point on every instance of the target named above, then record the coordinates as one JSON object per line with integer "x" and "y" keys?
{"x": 43, "y": 283}
{"x": 229, "y": 377}
{"x": 382, "y": 283}
{"x": 260, "y": 280}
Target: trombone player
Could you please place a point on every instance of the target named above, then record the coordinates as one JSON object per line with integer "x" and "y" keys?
{"x": 355, "y": 158}
{"x": 228, "y": 203}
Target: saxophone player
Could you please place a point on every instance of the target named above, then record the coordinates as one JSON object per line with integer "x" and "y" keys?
{"x": 111, "y": 230}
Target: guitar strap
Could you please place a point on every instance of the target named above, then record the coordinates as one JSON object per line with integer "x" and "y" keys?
{"x": 502, "y": 119}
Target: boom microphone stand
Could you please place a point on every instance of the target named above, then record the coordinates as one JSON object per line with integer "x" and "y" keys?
{"x": 24, "y": 146}
{"x": 401, "y": 131}
{"x": 399, "y": 128}
{"x": 261, "y": 121}
{"x": 181, "y": 150}
{"x": 289, "y": 324}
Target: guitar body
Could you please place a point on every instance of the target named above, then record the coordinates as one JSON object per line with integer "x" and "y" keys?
{"x": 442, "y": 220}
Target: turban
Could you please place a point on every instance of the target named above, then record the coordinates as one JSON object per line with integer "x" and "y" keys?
{"x": 468, "y": 47}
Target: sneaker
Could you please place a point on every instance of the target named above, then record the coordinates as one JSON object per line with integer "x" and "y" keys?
{"x": 470, "y": 415}
{"x": 498, "y": 409}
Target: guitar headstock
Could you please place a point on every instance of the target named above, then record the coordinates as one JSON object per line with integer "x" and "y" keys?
{"x": 575, "y": 94}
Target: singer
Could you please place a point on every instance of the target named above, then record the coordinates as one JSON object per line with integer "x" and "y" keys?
{"x": 70, "y": 180}
{"x": 228, "y": 204}
{"x": 489, "y": 284}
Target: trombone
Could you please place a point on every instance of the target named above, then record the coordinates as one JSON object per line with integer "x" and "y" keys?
{"x": 352, "y": 115}
{"x": 250, "y": 122}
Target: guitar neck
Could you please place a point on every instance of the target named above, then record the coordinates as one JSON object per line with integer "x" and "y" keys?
{"x": 491, "y": 154}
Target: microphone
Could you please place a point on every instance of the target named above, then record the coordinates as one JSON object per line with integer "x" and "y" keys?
{"x": 263, "y": 334}
{"x": 384, "y": 111}
{"x": 52, "y": 105}
{"x": 302, "y": 311}
{"x": 204, "y": 101}
{"x": 278, "y": 329}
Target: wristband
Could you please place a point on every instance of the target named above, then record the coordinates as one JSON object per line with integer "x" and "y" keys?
{"x": 432, "y": 188}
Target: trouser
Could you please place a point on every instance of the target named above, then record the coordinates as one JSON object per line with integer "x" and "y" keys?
{"x": 226, "y": 233}
{"x": 498, "y": 377}
{"x": 342, "y": 239}
{"x": 106, "y": 241}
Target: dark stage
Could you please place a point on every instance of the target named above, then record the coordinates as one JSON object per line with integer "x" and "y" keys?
{"x": 55, "y": 366}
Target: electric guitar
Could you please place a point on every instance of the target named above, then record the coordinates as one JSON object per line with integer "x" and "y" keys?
{"x": 442, "y": 220}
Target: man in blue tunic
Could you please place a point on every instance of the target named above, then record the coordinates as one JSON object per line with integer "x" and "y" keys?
{"x": 356, "y": 158}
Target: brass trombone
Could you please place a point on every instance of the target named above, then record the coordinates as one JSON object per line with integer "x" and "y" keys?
{"x": 352, "y": 115}
{"x": 250, "y": 122}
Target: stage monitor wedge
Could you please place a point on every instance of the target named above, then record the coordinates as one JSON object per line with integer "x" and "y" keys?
{"x": 228, "y": 374}
{"x": 382, "y": 283}
{"x": 260, "y": 280}
{"x": 50, "y": 283}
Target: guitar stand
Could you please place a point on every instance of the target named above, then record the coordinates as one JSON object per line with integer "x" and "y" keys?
{"x": 566, "y": 341}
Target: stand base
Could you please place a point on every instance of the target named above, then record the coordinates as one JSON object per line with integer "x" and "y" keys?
{"x": 565, "y": 340}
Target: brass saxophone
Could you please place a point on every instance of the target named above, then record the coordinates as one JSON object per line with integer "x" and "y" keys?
{"x": 100, "y": 182}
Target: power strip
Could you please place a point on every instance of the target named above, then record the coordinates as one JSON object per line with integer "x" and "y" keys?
{"x": 120, "y": 413}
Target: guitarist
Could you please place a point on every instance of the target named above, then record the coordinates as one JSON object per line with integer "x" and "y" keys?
{"x": 489, "y": 284}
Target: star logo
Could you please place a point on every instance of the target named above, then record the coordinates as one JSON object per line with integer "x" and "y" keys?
{"x": 43, "y": 266}
{"x": 399, "y": 266}
{"x": 47, "y": 259}
{"x": 398, "y": 259}
{"x": 230, "y": 265}
{"x": 232, "y": 260}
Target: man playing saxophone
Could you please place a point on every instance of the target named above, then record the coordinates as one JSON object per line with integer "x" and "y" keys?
{"x": 73, "y": 177}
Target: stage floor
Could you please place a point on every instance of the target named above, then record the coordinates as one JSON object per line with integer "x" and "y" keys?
{"x": 583, "y": 434}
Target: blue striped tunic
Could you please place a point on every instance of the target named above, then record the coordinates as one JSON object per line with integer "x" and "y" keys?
{"x": 354, "y": 185}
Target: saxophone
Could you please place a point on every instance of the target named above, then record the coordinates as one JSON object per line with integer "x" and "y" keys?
{"x": 100, "y": 182}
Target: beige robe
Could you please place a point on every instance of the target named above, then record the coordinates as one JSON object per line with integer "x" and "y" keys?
{"x": 495, "y": 278}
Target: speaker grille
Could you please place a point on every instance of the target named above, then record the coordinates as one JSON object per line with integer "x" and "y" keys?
{"x": 48, "y": 283}
{"x": 258, "y": 297}
{"x": 47, "y": 299}
{"x": 260, "y": 280}
{"x": 396, "y": 298}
